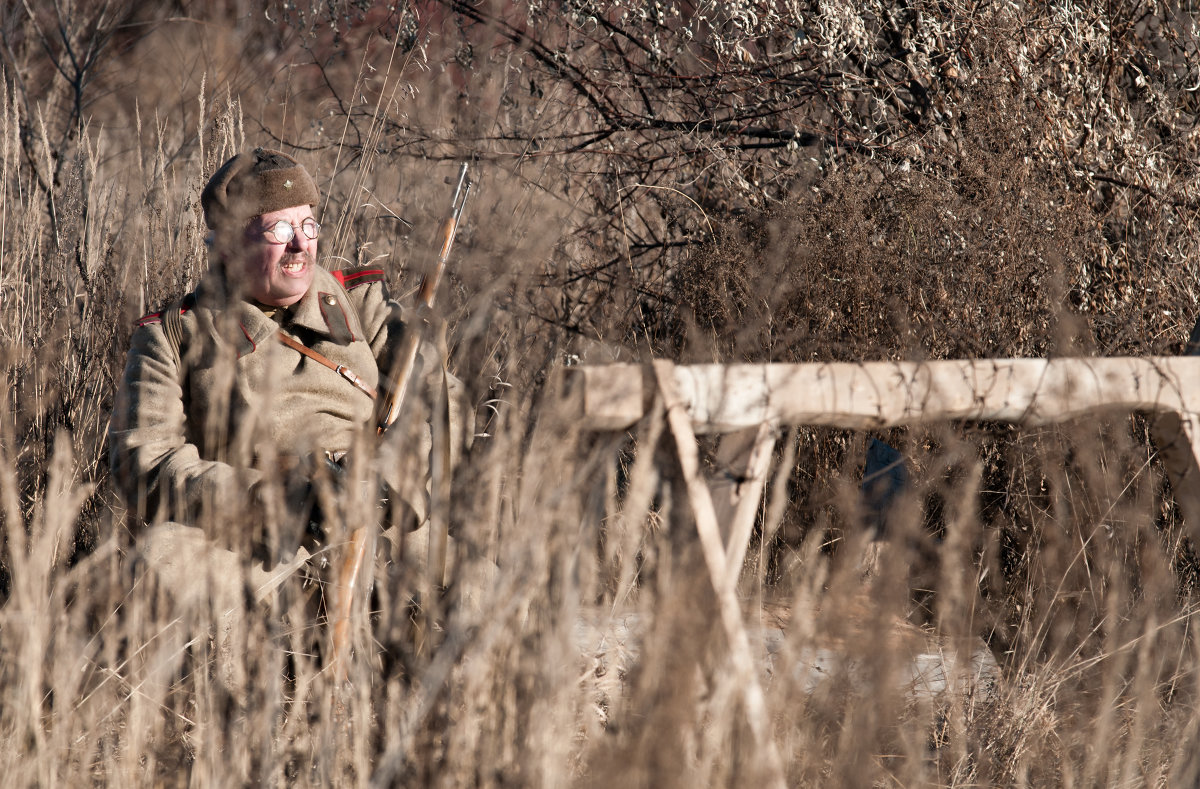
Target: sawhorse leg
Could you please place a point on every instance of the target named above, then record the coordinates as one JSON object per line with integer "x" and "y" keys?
{"x": 721, "y": 572}
{"x": 1177, "y": 438}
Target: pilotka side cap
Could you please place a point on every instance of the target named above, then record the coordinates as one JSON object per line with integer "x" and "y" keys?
{"x": 255, "y": 183}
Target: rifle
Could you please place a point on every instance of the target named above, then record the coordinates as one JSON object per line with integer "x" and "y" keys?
{"x": 388, "y": 413}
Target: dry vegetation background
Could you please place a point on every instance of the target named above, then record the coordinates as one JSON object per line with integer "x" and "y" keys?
{"x": 764, "y": 181}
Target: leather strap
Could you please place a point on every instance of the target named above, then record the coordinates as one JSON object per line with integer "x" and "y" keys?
{"x": 172, "y": 323}
{"x": 340, "y": 369}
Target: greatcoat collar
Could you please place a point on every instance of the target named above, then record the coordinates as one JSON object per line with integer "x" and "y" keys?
{"x": 325, "y": 310}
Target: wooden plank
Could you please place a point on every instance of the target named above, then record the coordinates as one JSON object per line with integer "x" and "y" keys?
{"x": 729, "y": 473}
{"x": 609, "y": 396}
{"x": 725, "y": 398}
{"x": 736, "y": 493}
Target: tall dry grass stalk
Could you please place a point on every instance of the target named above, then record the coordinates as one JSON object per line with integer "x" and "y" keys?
{"x": 888, "y": 183}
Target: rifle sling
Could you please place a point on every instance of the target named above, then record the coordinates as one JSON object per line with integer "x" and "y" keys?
{"x": 340, "y": 369}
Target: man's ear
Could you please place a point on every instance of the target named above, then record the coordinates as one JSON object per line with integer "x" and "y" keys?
{"x": 219, "y": 248}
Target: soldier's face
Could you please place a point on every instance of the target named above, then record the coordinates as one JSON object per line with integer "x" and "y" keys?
{"x": 273, "y": 273}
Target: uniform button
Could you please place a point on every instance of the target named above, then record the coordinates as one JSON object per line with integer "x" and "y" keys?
{"x": 330, "y": 300}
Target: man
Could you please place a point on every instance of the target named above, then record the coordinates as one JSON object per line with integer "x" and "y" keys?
{"x": 236, "y": 399}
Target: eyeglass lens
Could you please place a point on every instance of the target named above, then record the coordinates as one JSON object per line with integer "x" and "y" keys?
{"x": 285, "y": 231}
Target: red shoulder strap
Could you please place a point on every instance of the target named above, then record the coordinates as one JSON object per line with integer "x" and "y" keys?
{"x": 184, "y": 305}
{"x": 354, "y": 277}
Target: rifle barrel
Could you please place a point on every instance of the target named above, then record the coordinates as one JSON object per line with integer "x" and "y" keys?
{"x": 354, "y": 558}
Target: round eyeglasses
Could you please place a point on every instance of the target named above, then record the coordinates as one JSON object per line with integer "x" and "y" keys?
{"x": 283, "y": 231}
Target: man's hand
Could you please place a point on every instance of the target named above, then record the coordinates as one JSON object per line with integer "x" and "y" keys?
{"x": 335, "y": 474}
{"x": 334, "y": 470}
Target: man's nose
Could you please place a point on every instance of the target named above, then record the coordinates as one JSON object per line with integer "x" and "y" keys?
{"x": 296, "y": 244}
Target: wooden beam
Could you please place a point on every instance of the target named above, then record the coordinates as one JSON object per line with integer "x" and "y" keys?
{"x": 736, "y": 397}
{"x": 724, "y": 398}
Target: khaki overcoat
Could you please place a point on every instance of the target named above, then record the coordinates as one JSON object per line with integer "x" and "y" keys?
{"x": 211, "y": 401}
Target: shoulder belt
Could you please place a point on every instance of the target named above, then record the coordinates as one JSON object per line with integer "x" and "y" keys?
{"x": 173, "y": 322}
{"x": 321, "y": 359}
{"x": 171, "y": 319}
{"x": 183, "y": 305}
{"x": 354, "y": 277}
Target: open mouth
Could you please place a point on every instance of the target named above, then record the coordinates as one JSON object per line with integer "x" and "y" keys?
{"x": 293, "y": 267}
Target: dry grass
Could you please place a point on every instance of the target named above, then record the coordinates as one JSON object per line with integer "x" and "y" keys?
{"x": 968, "y": 183}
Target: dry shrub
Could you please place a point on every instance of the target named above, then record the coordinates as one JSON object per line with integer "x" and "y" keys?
{"x": 884, "y": 261}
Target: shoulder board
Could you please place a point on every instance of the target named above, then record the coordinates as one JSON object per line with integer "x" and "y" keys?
{"x": 156, "y": 317}
{"x": 354, "y": 277}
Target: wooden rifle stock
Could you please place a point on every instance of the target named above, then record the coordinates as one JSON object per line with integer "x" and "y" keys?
{"x": 396, "y": 388}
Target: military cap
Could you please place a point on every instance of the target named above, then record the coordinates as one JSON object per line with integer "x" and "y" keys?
{"x": 256, "y": 183}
